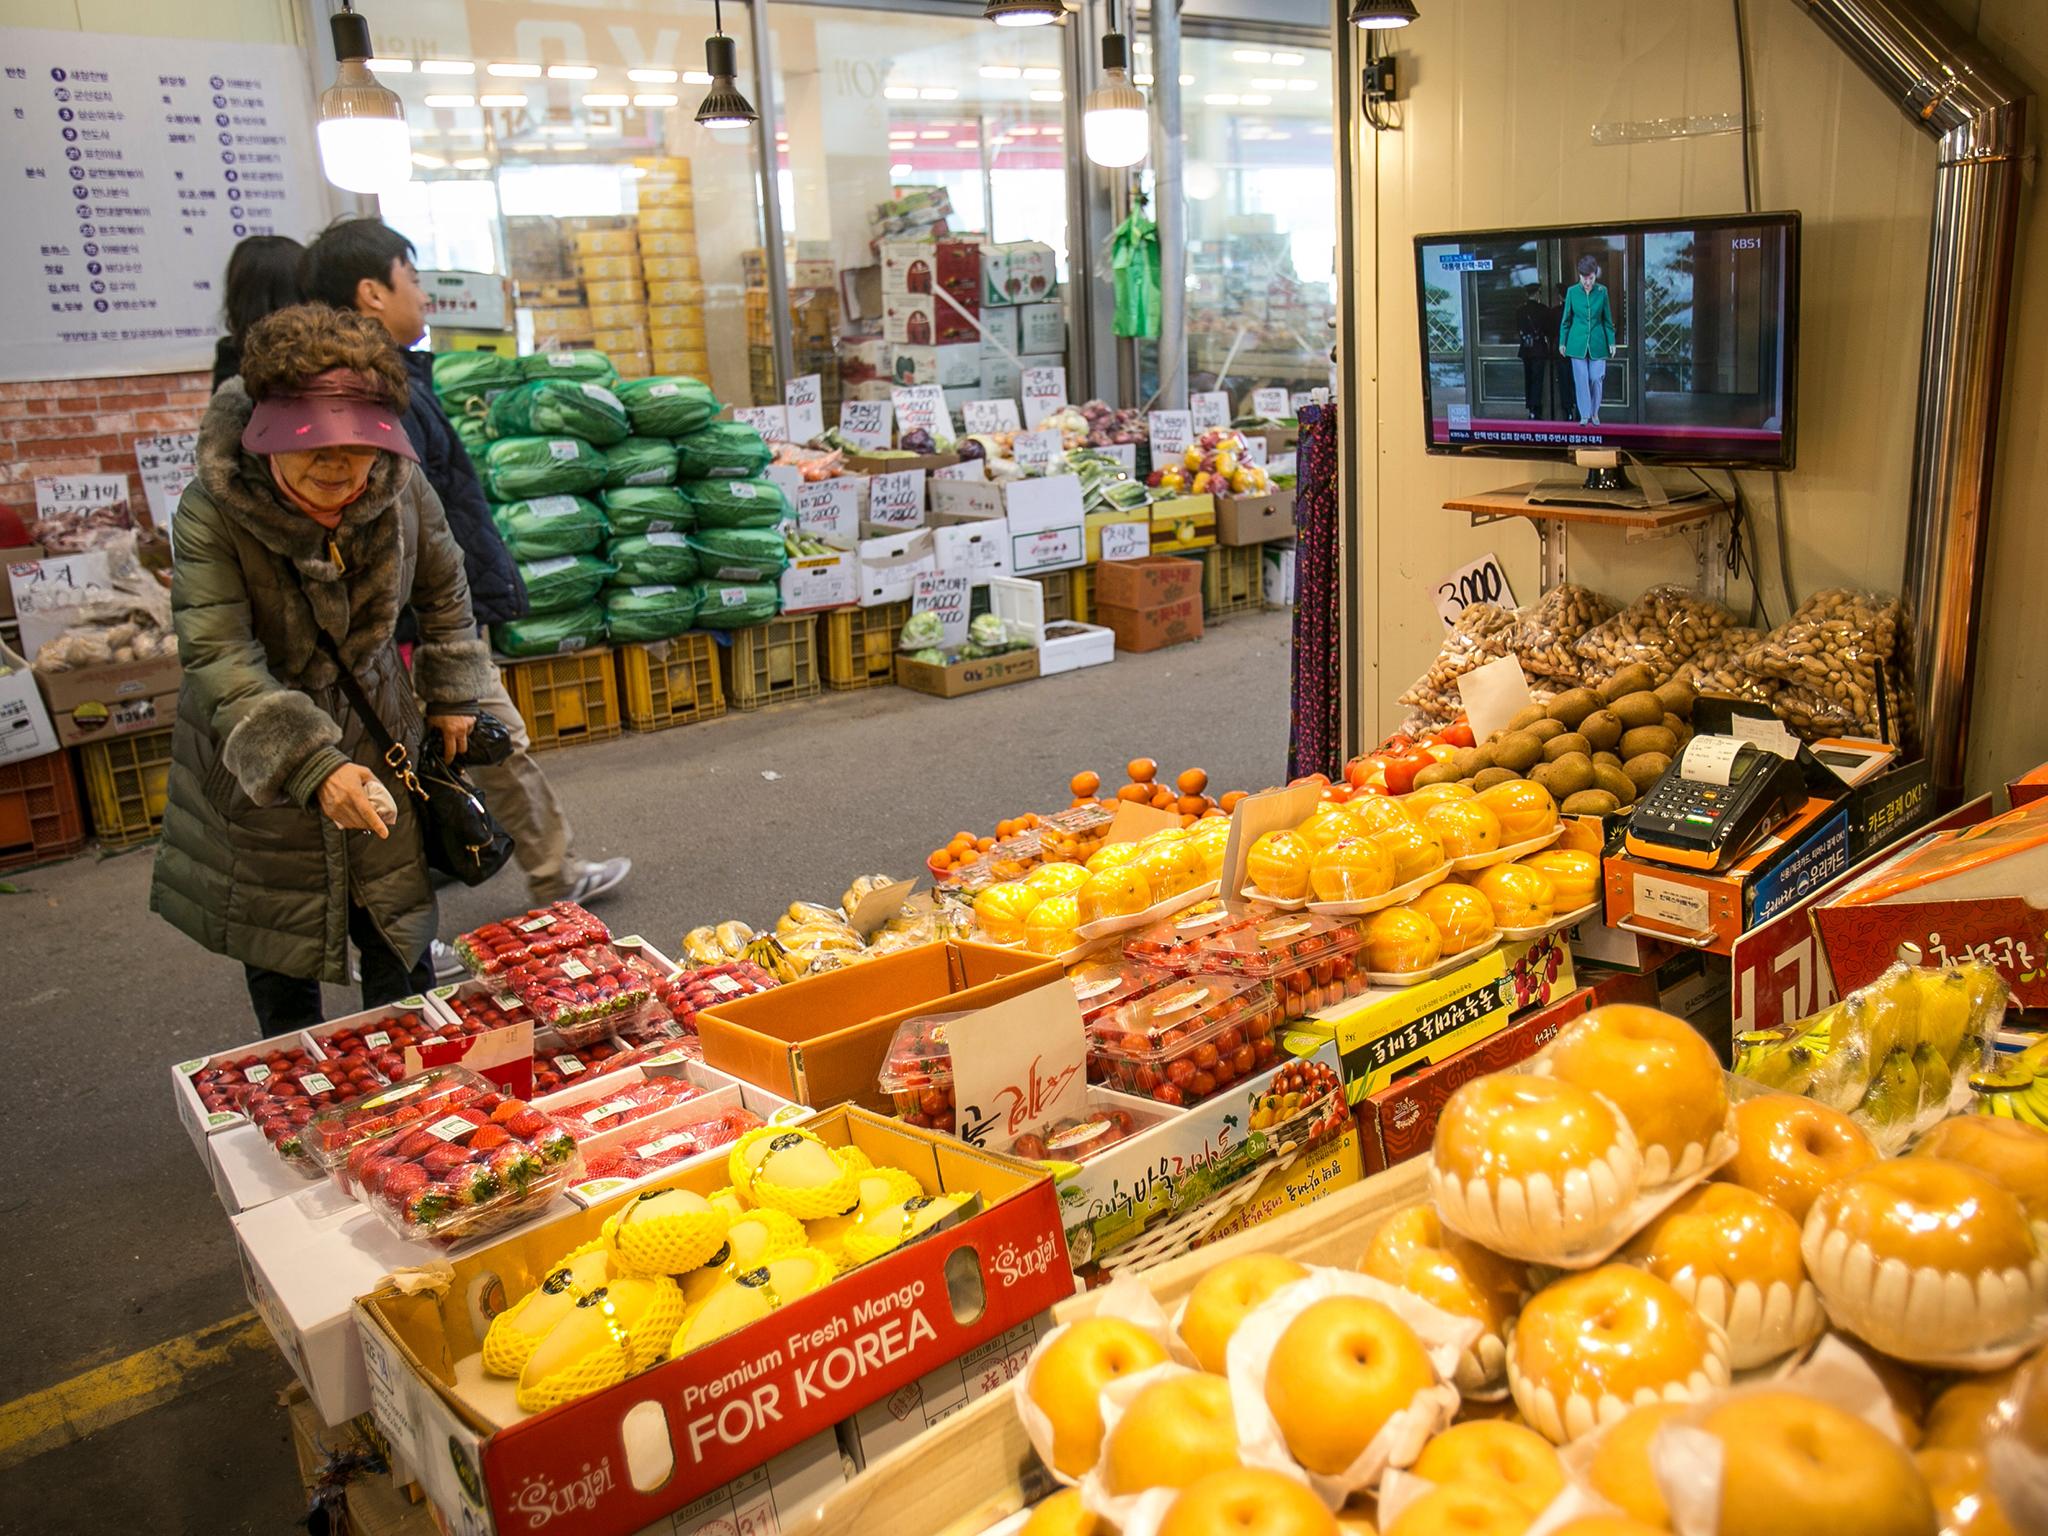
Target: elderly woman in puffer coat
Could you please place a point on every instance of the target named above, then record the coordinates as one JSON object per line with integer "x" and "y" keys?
{"x": 286, "y": 837}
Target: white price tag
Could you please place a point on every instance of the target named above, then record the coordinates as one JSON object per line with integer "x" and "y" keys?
{"x": 451, "y": 1127}
{"x": 992, "y": 416}
{"x": 896, "y": 500}
{"x": 316, "y": 1082}
{"x": 376, "y": 1039}
{"x": 923, "y": 406}
{"x": 568, "y": 1066}
{"x": 167, "y": 465}
{"x": 771, "y": 421}
{"x": 1037, "y": 451}
{"x": 1045, "y": 391}
{"x": 668, "y": 1143}
{"x": 563, "y": 449}
{"x": 609, "y": 1107}
{"x": 946, "y": 596}
{"x": 1210, "y": 408}
{"x": 1299, "y": 398}
{"x": 804, "y": 399}
{"x": 865, "y": 423}
{"x": 1171, "y": 431}
{"x": 1483, "y": 581}
{"x": 1255, "y": 451}
{"x": 1272, "y": 404}
{"x": 830, "y": 509}
{"x": 966, "y": 469}
{"x": 258, "y": 1073}
{"x": 1126, "y": 541}
{"x": 574, "y": 969}
{"x": 1125, "y": 454}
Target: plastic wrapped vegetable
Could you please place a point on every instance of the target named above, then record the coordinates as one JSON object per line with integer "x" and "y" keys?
{"x": 659, "y": 611}
{"x": 648, "y": 509}
{"x": 668, "y": 407}
{"x": 567, "y": 581}
{"x": 460, "y": 377}
{"x": 551, "y": 634}
{"x": 988, "y": 631}
{"x": 640, "y": 461}
{"x": 560, "y": 408}
{"x": 736, "y": 503}
{"x": 736, "y": 604}
{"x": 545, "y": 526}
{"x": 921, "y": 633}
{"x": 582, "y": 366}
{"x": 725, "y": 450}
{"x": 645, "y": 558}
{"x": 515, "y": 468}
{"x": 740, "y": 554}
{"x": 476, "y": 437}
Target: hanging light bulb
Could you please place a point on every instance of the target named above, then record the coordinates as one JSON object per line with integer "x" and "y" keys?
{"x": 364, "y": 143}
{"x": 723, "y": 106}
{"x": 1116, "y": 130}
{"x": 1024, "y": 13}
{"x": 1380, "y": 15}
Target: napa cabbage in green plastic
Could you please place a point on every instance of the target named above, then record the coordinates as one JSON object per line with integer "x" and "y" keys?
{"x": 584, "y": 366}
{"x": 651, "y": 558}
{"x": 725, "y": 450}
{"x": 740, "y": 554}
{"x": 566, "y": 581}
{"x": 668, "y": 407}
{"x": 736, "y": 604}
{"x": 736, "y": 503}
{"x": 551, "y": 634}
{"x": 648, "y": 509}
{"x": 660, "y": 611}
{"x": 475, "y": 436}
{"x": 516, "y": 468}
{"x": 544, "y": 526}
{"x": 640, "y": 461}
{"x": 560, "y": 408}
{"x": 460, "y": 377}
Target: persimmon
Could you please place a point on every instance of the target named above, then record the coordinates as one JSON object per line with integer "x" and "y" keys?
{"x": 1163, "y": 799}
{"x": 1142, "y": 770}
{"x": 943, "y": 859}
{"x": 1084, "y": 784}
{"x": 983, "y": 844}
{"x": 1214, "y": 810}
{"x": 1193, "y": 782}
{"x": 1135, "y": 792}
{"x": 1186, "y": 821}
{"x": 1192, "y": 805}
{"x": 1030, "y": 821}
{"x": 1228, "y": 802}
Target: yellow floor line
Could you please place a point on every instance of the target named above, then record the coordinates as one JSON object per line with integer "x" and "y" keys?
{"x": 96, "y": 1399}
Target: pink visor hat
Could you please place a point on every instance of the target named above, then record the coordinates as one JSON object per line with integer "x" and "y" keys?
{"x": 339, "y": 408}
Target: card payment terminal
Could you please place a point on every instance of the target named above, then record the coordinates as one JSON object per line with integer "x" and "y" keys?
{"x": 1718, "y": 798}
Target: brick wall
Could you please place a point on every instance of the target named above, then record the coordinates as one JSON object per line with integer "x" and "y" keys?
{"x": 89, "y": 427}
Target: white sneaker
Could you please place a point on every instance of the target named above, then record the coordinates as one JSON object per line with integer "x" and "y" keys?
{"x": 590, "y": 881}
{"x": 448, "y": 965}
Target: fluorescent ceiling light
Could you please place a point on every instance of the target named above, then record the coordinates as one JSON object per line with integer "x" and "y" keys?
{"x": 601, "y": 130}
{"x": 1040, "y": 72}
{"x": 1269, "y": 85}
{"x": 1187, "y": 79}
{"x": 1048, "y": 96}
{"x": 652, "y": 76}
{"x": 569, "y": 146}
{"x": 513, "y": 71}
{"x": 935, "y": 133}
{"x": 1255, "y": 101}
{"x": 1298, "y": 83}
{"x": 654, "y": 99}
{"x": 449, "y": 100}
{"x": 501, "y": 99}
{"x": 1252, "y": 56}
{"x": 1141, "y": 79}
{"x": 1001, "y": 72}
{"x": 898, "y": 171}
{"x": 1289, "y": 60}
{"x": 446, "y": 67}
{"x": 899, "y": 93}
{"x": 1023, "y": 133}
{"x": 571, "y": 72}
{"x": 967, "y": 143}
{"x": 607, "y": 99}
{"x": 938, "y": 93}
{"x": 429, "y": 162}
{"x": 473, "y": 163}
{"x": 1219, "y": 101}
{"x": 696, "y": 77}
{"x": 390, "y": 66}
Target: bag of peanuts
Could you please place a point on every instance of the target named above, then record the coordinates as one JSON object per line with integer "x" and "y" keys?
{"x": 1548, "y": 631}
{"x": 1834, "y": 656}
{"x": 1660, "y": 630}
{"x": 1717, "y": 668}
{"x": 1480, "y": 635}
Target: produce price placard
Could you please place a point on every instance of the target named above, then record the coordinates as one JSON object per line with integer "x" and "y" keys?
{"x": 1483, "y": 581}
{"x": 991, "y": 416}
{"x": 804, "y": 399}
{"x": 1126, "y": 541}
{"x": 168, "y": 464}
{"x": 1211, "y": 409}
{"x": 75, "y": 513}
{"x": 1045, "y": 391}
{"x": 1272, "y": 404}
{"x": 1171, "y": 432}
{"x": 1036, "y": 451}
{"x": 1019, "y": 1067}
{"x": 948, "y": 597}
{"x": 896, "y": 500}
{"x": 966, "y": 469}
{"x": 771, "y": 421}
{"x": 830, "y": 509}
{"x": 922, "y": 407}
{"x": 866, "y": 423}
{"x": 1125, "y": 454}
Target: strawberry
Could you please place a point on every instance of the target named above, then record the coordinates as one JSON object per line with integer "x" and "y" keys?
{"x": 513, "y": 1166}
{"x": 555, "y": 1145}
{"x": 401, "y": 1183}
{"x": 415, "y": 1144}
{"x": 474, "y": 1184}
{"x": 507, "y": 1110}
{"x": 444, "y": 1159}
{"x": 485, "y": 1137}
{"x": 525, "y": 1122}
{"x": 427, "y": 1206}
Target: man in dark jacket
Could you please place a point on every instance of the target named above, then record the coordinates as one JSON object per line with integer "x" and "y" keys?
{"x": 365, "y": 265}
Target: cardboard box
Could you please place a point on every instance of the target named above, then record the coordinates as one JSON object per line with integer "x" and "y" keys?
{"x": 1539, "y": 971}
{"x": 908, "y": 267}
{"x": 889, "y": 567}
{"x": 977, "y": 548}
{"x": 911, "y": 320}
{"x": 1183, "y": 523}
{"x": 1048, "y": 528}
{"x": 26, "y": 730}
{"x": 1001, "y": 331}
{"x": 958, "y": 678}
{"x": 1154, "y": 628}
{"x": 868, "y": 464}
{"x": 960, "y": 368}
{"x": 1001, "y": 377}
{"x": 822, "y": 1039}
{"x": 1387, "y": 1032}
{"x": 694, "y": 1427}
{"x": 1020, "y": 272}
{"x": 2024, "y": 790}
{"x": 679, "y": 271}
{"x": 1042, "y": 328}
{"x": 959, "y": 267}
{"x": 1278, "y": 571}
{"x": 899, "y": 1419}
{"x": 605, "y": 242}
{"x": 479, "y": 300}
{"x": 93, "y": 703}
{"x": 811, "y": 582}
{"x": 1146, "y": 583}
{"x": 773, "y": 1497}
{"x": 19, "y": 554}
{"x": 370, "y": 1500}
{"x": 1255, "y": 519}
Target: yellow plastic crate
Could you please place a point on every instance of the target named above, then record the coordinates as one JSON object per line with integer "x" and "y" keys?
{"x": 860, "y": 646}
{"x": 1233, "y": 581}
{"x": 772, "y": 663}
{"x": 566, "y": 700}
{"x": 671, "y": 682}
{"x": 126, "y": 783}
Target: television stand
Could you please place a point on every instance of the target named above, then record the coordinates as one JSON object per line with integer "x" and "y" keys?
{"x": 1608, "y": 485}
{"x": 1703, "y": 515}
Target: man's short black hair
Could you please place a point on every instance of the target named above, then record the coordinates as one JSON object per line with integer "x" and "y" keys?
{"x": 348, "y": 251}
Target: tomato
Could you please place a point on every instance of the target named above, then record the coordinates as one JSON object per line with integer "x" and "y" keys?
{"x": 1337, "y": 794}
{"x": 1373, "y": 789}
{"x": 1396, "y": 744}
{"x": 1320, "y": 780}
{"x": 1459, "y": 735}
{"x": 1402, "y": 770}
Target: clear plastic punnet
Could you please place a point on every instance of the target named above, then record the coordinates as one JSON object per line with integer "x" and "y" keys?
{"x": 917, "y": 1073}
{"x": 608, "y": 1108}
{"x": 532, "y": 935}
{"x": 1174, "y": 943}
{"x": 1099, "y": 985}
{"x": 1190, "y": 1038}
{"x": 578, "y": 992}
{"x": 1313, "y": 962}
{"x": 1104, "y": 1123}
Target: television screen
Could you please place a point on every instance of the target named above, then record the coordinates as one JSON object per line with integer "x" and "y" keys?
{"x": 1672, "y": 340}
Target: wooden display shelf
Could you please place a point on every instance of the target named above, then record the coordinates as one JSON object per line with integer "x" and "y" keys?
{"x": 1513, "y": 501}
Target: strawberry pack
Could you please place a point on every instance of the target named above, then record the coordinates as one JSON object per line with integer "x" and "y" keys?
{"x": 224, "y": 1083}
{"x": 576, "y": 992}
{"x": 671, "y": 1144}
{"x": 557, "y": 1066}
{"x": 625, "y": 1104}
{"x": 687, "y": 993}
{"x": 535, "y": 935}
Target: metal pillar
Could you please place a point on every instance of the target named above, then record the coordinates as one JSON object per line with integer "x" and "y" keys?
{"x": 771, "y": 200}
{"x": 1170, "y": 210}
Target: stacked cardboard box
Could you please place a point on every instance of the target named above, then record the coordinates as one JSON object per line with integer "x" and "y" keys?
{"x": 668, "y": 257}
{"x": 605, "y": 254}
{"x": 813, "y": 320}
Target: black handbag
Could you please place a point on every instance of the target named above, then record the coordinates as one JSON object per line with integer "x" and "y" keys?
{"x": 462, "y": 838}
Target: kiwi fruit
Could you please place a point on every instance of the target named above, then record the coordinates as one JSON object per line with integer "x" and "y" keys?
{"x": 1437, "y": 773}
{"x": 1646, "y": 769}
{"x": 1630, "y": 679}
{"x": 1482, "y": 757}
{"x": 1518, "y": 750}
{"x": 1676, "y": 697}
{"x": 1675, "y": 725}
{"x": 1567, "y": 776}
{"x": 1647, "y": 738}
{"x": 1527, "y": 718}
{"x": 1466, "y": 761}
{"x": 1574, "y": 706}
{"x": 1567, "y": 741}
{"x": 1603, "y": 729}
{"x": 1634, "y": 709}
{"x": 1547, "y": 730}
{"x": 1590, "y": 802}
{"x": 1488, "y": 777}
{"x": 1615, "y": 782}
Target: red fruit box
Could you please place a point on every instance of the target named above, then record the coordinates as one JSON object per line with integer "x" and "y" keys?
{"x": 621, "y": 1459}
{"x": 532, "y": 935}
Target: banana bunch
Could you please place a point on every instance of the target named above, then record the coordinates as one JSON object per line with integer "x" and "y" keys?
{"x": 861, "y": 889}
{"x": 797, "y": 544}
{"x": 2015, "y": 1089}
{"x": 767, "y": 952}
{"x": 816, "y": 938}
{"x": 717, "y": 945}
{"x": 1887, "y": 1055}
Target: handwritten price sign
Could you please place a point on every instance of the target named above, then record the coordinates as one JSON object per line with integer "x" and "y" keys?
{"x": 948, "y": 597}
{"x": 992, "y": 416}
{"x": 771, "y": 421}
{"x": 866, "y": 423}
{"x": 1019, "y": 1066}
{"x": 1483, "y": 581}
{"x": 1211, "y": 409}
{"x": 804, "y": 400}
{"x": 1171, "y": 431}
{"x": 1045, "y": 391}
{"x": 897, "y": 500}
{"x": 1272, "y": 404}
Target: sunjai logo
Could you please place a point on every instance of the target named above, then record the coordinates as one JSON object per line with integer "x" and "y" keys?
{"x": 1014, "y": 1265}
{"x": 540, "y": 1500}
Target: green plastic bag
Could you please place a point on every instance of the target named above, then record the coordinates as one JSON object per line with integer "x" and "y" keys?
{"x": 740, "y": 554}
{"x": 581, "y": 367}
{"x": 566, "y": 581}
{"x": 545, "y": 526}
{"x": 640, "y": 461}
{"x": 475, "y": 436}
{"x": 736, "y": 604}
{"x": 460, "y": 377}
{"x": 551, "y": 634}
{"x": 660, "y": 611}
{"x": 560, "y": 408}
{"x": 671, "y": 407}
{"x": 736, "y": 503}
{"x": 515, "y": 468}
{"x": 648, "y": 509}
{"x": 650, "y": 558}
{"x": 725, "y": 450}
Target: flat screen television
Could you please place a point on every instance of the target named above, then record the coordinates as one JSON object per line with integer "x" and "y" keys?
{"x": 1669, "y": 340}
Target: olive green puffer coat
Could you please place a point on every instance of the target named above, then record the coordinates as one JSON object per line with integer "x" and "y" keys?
{"x": 248, "y": 865}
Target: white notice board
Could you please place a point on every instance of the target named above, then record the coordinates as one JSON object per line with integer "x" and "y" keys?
{"x": 132, "y": 166}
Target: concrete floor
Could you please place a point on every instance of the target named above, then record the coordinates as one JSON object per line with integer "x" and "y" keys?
{"x": 115, "y": 1241}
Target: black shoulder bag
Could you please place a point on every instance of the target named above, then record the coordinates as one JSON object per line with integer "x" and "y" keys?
{"x": 462, "y": 839}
